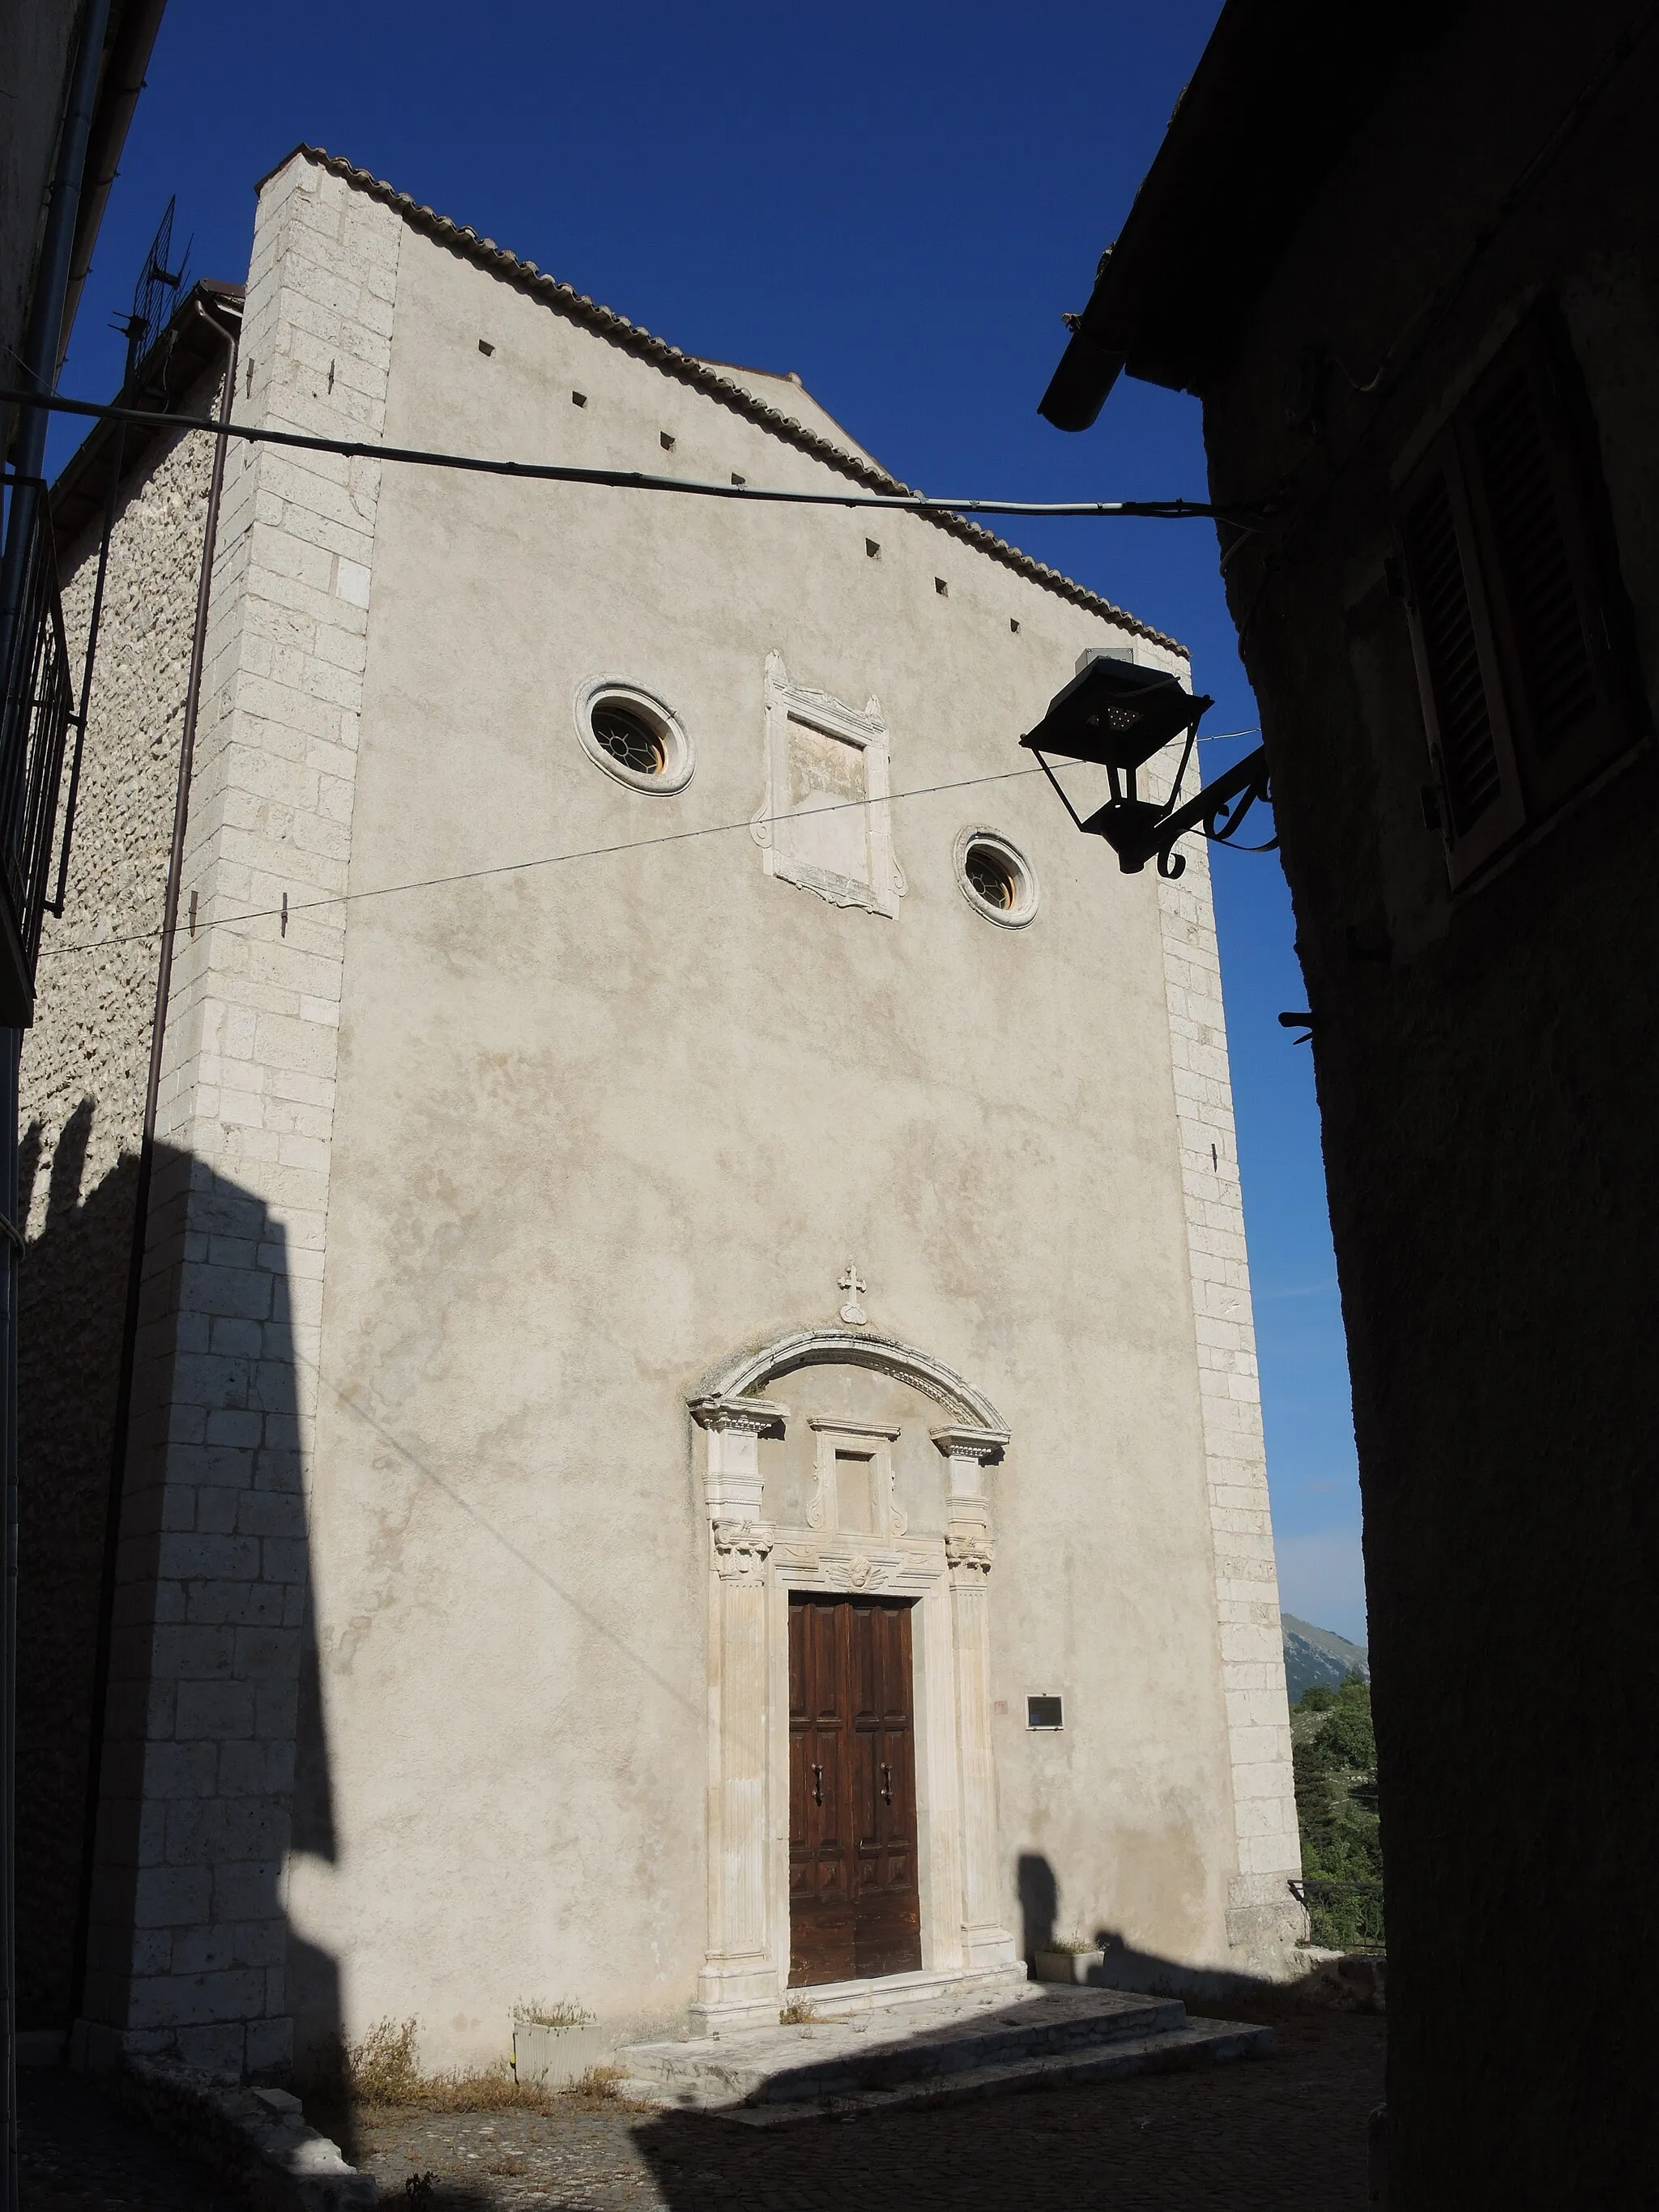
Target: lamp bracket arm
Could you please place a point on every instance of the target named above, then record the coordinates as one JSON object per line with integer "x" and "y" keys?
{"x": 1237, "y": 789}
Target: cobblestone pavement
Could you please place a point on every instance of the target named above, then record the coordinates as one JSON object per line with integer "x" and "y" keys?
{"x": 1286, "y": 2132}
{"x": 80, "y": 2152}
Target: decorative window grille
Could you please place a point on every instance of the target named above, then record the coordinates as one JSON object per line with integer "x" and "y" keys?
{"x": 1518, "y": 621}
{"x": 36, "y": 705}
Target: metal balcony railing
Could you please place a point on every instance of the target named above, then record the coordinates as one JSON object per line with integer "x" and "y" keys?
{"x": 1342, "y": 1915}
{"x": 36, "y": 708}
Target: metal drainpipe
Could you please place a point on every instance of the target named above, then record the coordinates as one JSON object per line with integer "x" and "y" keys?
{"x": 38, "y": 373}
{"x": 141, "y": 1195}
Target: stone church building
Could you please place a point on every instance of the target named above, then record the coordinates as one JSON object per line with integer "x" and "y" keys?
{"x": 689, "y": 1424}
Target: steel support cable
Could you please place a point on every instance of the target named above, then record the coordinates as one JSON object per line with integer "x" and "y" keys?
{"x": 294, "y": 908}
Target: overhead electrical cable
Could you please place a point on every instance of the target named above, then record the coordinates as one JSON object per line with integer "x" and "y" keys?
{"x": 1168, "y": 510}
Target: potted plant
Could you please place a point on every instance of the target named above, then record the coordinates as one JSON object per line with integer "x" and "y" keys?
{"x": 554, "y": 2044}
{"x": 1071, "y": 1958}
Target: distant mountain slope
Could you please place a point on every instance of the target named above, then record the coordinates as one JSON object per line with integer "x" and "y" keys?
{"x": 1318, "y": 1654}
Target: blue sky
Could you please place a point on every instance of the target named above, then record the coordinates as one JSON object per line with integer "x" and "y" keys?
{"x": 898, "y": 201}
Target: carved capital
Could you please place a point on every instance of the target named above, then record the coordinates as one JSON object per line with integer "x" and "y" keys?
{"x": 740, "y": 1549}
{"x": 958, "y": 1441}
{"x": 969, "y": 1549}
{"x": 738, "y": 1416}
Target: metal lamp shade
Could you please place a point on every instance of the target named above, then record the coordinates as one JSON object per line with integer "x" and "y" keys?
{"x": 1116, "y": 715}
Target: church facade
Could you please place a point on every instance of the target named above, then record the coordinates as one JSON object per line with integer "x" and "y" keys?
{"x": 691, "y": 1427}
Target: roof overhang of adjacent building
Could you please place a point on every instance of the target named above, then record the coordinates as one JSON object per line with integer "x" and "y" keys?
{"x": 1278, "y": 95}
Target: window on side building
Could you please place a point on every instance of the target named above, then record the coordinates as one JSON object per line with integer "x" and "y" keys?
{"x": 1518, "y": 621}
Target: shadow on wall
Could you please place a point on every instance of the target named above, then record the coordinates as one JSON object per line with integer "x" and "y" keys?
{"x": 72, "y": 1294}
{"x": 1124, "y": 1966}
{"x": 1039, "y": 1902}
{"x": 215, "y": 1760}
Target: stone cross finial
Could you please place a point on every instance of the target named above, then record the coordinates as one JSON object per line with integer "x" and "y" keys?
{"x": 852, "y": 1313}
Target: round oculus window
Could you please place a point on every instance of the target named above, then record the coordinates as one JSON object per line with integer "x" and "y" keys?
{"x": 996, "y": 879}
{"x": 633, "y": 736}
{"x": 630, "y": 739}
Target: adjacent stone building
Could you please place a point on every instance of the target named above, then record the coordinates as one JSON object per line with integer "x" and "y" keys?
{"x": 1406, "y": 259}
{"x": 693, "y": 1418}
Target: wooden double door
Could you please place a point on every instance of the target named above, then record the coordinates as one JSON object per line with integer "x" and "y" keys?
{"x": 854, "y": 1908}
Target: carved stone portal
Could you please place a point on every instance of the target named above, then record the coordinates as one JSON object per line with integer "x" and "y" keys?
{"x": 857, "y": 1541}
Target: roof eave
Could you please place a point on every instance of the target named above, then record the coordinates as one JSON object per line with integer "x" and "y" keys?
{"x": 617, "y": 329}
{"x": 1277, "y": 95}
{"x": 189, "y": 344}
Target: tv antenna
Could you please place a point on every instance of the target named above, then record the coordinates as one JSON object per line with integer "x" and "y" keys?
{"x": 151, "y": 303}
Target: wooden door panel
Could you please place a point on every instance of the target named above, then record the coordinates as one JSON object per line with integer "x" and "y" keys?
{"x": 855, "y": 1909}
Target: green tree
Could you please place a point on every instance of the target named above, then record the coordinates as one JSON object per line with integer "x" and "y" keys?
{"x": 1333, "y": 1761}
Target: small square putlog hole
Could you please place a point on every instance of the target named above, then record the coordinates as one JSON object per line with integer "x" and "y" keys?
{"x": 941, "y": 587}
{"x": 1044, "y": 1713}
{"x": 666, "y": 441}
{"x": 872, "y": 548}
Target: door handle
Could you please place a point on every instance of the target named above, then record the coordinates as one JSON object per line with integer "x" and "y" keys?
{"x": 886, "y": 1784}
{"x": 817, "y": 1786}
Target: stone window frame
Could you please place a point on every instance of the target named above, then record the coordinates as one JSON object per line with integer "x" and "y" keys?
{"x": 679, "y": 755}
{"x": 773, "y": 825}
{"x": 871, "y": 1441}
{"x": 1029, "y": 892}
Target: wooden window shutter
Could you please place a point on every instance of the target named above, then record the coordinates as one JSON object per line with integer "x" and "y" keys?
{"x": 1458, "y": 666}
{"x": 1534, "y": 488}
{"x": 1507, "y": 553}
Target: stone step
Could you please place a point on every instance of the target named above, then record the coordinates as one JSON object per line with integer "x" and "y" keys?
{"x": 892, "y": 2002}
{"x": 1195, "y": 2043}
{"x": 866, "y": 2064}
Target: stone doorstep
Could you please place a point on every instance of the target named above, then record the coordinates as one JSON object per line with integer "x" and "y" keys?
{"x": 891, "y": 1998}
{"x": 1196, "y": 2043}
{"x": 888, "y": 1996}
{"x": 889, "y": 2050}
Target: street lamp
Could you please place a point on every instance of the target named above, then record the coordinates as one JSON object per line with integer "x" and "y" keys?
{"x": 1117, "y": 716}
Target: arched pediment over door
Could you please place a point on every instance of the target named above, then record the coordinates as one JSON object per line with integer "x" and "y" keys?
{"x": 750, "y": 1373}
{"x": 825, "y": 1382}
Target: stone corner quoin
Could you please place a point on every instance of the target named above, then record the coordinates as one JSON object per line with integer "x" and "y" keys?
{"x": 233, "y": 1299}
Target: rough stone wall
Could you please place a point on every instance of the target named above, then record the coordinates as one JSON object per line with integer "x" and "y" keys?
{"x": 84, "y": 1067}
{"x": 1263, "y": 1919}
{"x": 190, "y": 1938}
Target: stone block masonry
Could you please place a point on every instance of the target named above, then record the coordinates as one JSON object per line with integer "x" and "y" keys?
{"x": 1263, "y": 1919}
{"x": 189, "y": 1929}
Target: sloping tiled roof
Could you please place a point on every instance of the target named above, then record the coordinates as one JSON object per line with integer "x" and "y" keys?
{"x": 688, "y": 369}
